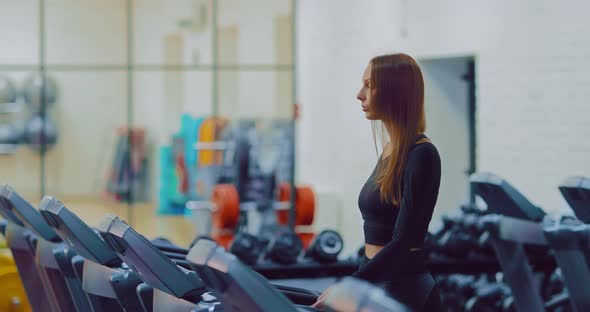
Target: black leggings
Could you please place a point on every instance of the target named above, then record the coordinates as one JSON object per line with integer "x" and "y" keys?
{"x": 417, "y": 291}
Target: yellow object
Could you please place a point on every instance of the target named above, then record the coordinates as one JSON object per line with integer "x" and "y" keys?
{"x": 5, "y": 259}
{"x": 209, "y": 132}
{"x": 12, "y": 293}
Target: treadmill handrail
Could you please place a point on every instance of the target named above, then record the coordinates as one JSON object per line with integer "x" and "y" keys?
{"x": 7, "y": 213}
{"x": 503, "y": 198}
{"x": 576, "y": 191}
{"x": 27, "y": 214}
{"x": 210, "y": 258}
{"x": 76, "y": 233}
{"x": 185, "y": 282}
{"x": 514, "y": 229}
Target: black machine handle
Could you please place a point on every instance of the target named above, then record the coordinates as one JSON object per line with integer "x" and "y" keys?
{"x": 167, "y": 247}
{"x": 145, "y": 293}
{"x": 296, "y": 289}
{"x": 184, "y": 264}
{"x": 298, "y": 295}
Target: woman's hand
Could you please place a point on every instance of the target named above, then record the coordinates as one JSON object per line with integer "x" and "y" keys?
{"x": 319, "y": 304}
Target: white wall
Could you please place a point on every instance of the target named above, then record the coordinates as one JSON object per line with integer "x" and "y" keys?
{"x": 336, "y": 39}
{"x": 532, "y": 75}
{"x": 532, "y": 65}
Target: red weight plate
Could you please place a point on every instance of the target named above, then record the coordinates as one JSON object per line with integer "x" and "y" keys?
{"x": 227, "y": 206}
{"x": 305, "y": 205}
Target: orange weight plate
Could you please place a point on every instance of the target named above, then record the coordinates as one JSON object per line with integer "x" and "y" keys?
{"x": 283, "y": 216}
{"x": 306, "y": 238}
{"x": 305, "y": 205}
{"x": 227, "y": 206}
{"x": 284, "y": 196}
{"x": 223, "y": 239}
{"x": 284, "y": 192}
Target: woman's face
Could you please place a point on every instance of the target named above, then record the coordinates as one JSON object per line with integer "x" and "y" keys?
{"x": 365, "y": 95}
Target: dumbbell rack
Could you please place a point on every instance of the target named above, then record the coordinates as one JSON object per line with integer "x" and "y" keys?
{"x": 517, "y": 223}
{"x": 232, "y": 201}
{"x": 7, "y": 109}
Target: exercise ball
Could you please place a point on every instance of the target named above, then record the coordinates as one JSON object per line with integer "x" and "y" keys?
{"x": 7, "y": 90}
{"x": 33, "y": 91}
{"x": 9, "y": 134}
{"x": 39, "y": 129}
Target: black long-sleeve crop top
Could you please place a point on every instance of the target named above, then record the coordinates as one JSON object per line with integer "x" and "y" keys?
{"x": 401, "y": 229}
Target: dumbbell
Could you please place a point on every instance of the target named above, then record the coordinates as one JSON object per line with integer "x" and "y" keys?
{"x": 455, "y": 290}
{"x": 282, "y": 247}
{"x": 434, "y": 239}
{"x": 555, "y": 293}
{"x": 325, "y": 247}
{"x": 481, "y": 243}
{"x": 456, "y": 243}
{"x": 247, "y": 248}
{"x": 489, "y": 297}
{"x": 39, "y": 90}
{"x": 552, "y": 284}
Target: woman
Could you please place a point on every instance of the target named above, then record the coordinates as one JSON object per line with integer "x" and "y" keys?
{"x": 398, "y": 199}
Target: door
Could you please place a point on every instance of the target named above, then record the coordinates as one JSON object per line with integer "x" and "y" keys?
{"x": 450, "y": 117}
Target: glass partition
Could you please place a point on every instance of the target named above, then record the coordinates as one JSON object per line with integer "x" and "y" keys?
{"x": 130, "y": 85}
{"x": 19, "y": 33}
{"x": 172, "y": 32}
{"x": 256, "y": 32}
{"x": 82, "y": 33}
{"x": 20, "y": 165}
{"x": 255, "y": 94}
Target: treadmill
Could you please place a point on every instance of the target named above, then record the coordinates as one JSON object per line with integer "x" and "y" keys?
{"x": 21, "y": 242}
{"x": 239, "y": 287}
{"x": 174, "y": 288}
{"x": 576, "y": 191}
{"x": 64, "y": 292}
{"x": 351, "y": 294}
{"x": 516, "y": 222}
{"x": 109, "y": 286}
{"x": 173, "y": 276}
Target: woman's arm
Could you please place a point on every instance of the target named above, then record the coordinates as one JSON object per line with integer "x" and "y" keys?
{"x": 421, "y": 184}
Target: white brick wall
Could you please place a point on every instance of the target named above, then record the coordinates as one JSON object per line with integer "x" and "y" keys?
{"x": 533, "y": 87}
{"x": 532, "y": 84}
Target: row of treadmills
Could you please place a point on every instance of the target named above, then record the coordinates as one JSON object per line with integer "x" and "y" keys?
{"x": 515, "y": 225}
{"x": 65, "y": 265}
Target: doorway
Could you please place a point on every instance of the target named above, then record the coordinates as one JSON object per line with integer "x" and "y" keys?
{"x": 450, "y": 86}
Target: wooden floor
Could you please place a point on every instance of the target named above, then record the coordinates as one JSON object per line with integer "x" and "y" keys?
{"x": 142, "y": 217}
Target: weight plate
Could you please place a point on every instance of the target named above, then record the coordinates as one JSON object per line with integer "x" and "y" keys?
{"x": 226, "y": 213}
{"x": 304, "y": 204}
